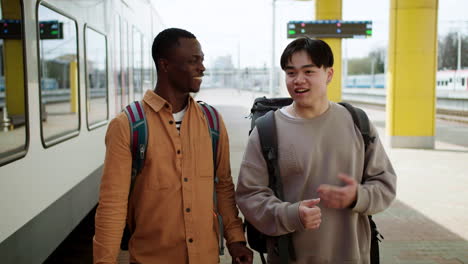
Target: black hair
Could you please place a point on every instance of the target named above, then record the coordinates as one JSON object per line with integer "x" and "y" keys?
{"x": 318, "y": 50}
{"x": 166, "y": 40}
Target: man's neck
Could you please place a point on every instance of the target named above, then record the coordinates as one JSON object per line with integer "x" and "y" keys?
{"x": 178, "y": 101}
{"x": 309, "y": 112}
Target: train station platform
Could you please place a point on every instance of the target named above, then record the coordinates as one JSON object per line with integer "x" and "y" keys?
{"x": 428, "y": 222}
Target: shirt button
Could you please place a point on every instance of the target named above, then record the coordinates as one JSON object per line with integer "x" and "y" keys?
{"x": 190, "y": 240}
{"x": 187, "y": 210}
{"x": 178, "y": 151}
{"x": 171, "y": 122}
{"x": 185, "y": 179}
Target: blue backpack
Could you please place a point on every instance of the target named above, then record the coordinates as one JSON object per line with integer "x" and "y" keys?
{"x": 139, "y": 143}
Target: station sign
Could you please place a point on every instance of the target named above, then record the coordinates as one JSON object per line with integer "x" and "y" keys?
{"x": 12, "y": 28}
{"x": 329, "y": 29}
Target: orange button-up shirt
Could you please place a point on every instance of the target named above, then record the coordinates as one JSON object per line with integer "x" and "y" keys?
{"x": 171, "y": 206}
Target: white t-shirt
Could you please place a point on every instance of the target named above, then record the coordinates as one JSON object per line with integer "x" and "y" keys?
{"x": 178, "y": 118}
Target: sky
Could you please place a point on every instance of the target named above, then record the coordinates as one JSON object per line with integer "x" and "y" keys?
{"x": 242, "y": 29}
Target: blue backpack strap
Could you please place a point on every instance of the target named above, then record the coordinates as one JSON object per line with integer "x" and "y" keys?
{"x": 212, "y": 118}
{"x": 138, "y": 137}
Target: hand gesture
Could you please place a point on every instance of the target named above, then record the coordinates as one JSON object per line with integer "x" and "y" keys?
{"x": 240, "y": 253}
{"x": 310, "y": 214}
{"x": 339, "y": 197}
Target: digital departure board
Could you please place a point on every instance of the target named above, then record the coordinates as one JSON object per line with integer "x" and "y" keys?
{"x": 10, "y": 29}
{"x": 330, "y": 29}
{"x": 52, "y": 29}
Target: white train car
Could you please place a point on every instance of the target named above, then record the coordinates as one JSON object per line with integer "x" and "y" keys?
{"x": 67, "y": 67}
{"x": 452, "y": 80}
{"x": 365, "y": 81}
{"x": 447, "y": 80}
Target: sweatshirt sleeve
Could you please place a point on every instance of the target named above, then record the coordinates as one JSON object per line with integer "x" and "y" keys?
{"x": 113, "y": 197}
{"x": 233, "y": 230}
{"x": 378, "y": 189}
{"x": 257, "y": 201}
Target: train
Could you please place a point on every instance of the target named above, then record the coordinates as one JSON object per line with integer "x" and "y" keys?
{"x": 68, "y": 67}
{"x": 446, "y": 80}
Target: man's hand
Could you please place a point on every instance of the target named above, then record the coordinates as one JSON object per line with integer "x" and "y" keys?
{"x": 240, "y": 253}
{"x": 339, "y": 197}
{"x": 310, "y": 214}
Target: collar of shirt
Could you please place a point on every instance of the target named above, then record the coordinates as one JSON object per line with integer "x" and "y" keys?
{"x": 156, "y": 102}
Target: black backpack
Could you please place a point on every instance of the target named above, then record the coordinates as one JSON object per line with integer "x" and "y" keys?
{"x": 262, "y": 114}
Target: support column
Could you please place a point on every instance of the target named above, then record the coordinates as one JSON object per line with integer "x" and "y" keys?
{"x": 331, "y": 10}
{"x": 13, "y": 64}
{"x": 411, "y": 74}
{"x": 74, "y": 88}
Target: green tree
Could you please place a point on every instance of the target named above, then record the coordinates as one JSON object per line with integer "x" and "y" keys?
{"x": 378, "y": 57}
{"x": 358, "y": 66}
{"x": 375, "y": 58}
{"x": 448, "y": 52}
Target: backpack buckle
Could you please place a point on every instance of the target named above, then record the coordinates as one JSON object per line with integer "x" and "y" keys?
{"x": 142, "y": 151}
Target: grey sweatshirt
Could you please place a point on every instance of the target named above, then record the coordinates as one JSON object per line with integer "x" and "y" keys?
{"x": 313, "y": 152}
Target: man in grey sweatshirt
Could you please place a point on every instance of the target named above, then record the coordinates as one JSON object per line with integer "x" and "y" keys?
{"x": 330, "y": 182}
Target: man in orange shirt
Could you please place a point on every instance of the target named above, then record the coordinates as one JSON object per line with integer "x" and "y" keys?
{"x": 170, "y": 211}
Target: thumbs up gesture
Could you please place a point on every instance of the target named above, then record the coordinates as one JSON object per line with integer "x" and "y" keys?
{"x": 310, "y": 214}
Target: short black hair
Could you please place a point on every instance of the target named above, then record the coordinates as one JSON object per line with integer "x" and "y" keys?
{"x": 166, "y": 40}
{"x": 318, "y": 50}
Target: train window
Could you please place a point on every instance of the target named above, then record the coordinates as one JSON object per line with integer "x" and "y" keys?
{"x": 463, "y": 81}
{"x": 96, "y": 77}
{"x": 13, "y": 117}
{"x": 147, "y": 59}
{"x": 137, "y": 65}
{"x": 124, "y": 38}
{"x": 59, "y": 91}
{"x": 117, "y": 66}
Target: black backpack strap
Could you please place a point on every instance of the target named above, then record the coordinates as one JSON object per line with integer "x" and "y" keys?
{"x": 266, "y": 127}
{"x": 361, "y": 120}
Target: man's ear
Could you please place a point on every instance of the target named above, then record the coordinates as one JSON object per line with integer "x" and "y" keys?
{"x": 330, "y": 72}
{"x": 163, "y": 64}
